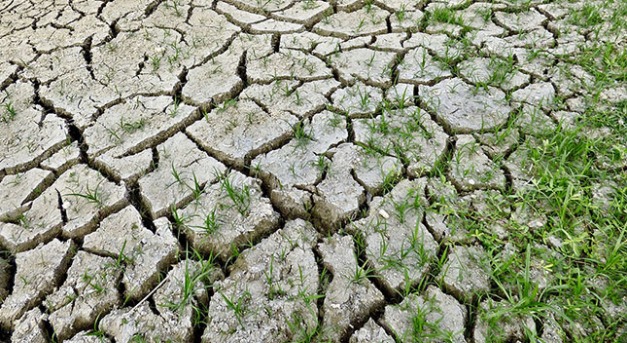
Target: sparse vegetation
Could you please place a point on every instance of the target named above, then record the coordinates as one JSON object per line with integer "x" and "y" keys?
{"x": 509, "y": 118}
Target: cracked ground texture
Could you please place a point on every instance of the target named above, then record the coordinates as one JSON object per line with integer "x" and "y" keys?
{"x": 313, "y": 171}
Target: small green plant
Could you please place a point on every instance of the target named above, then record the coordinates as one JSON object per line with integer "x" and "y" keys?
{"x": 138, "y": 338}
{"x": 309, "y": 4}
{"x": 94, "y": 196}
{"x": 174, "y": 110}
{"x": 155, "y": 62}
{"x": 197, "y": 188}
{"x": 174, "y": 58}
{"x": 446, "y": 15}
{"x": 9, "y": 112}
{"x": 94, "y": 282}
{"x": 587, "y": 16}
{"x": 400, "y": 14}
{"x": 179, "y": 220}
{"x": 301, "y": 134}
{"x": 322, "y": 164}
{"x": 95, "y": 332}
{"x": 122, "y": 259}
{"x": 227, "y": 104}
{"x": 336, "y": 120}
{"x": 303, "y": 333}
{"x": 390, "y": 179}
{"x": 238, "y": 306}
{"x": 195, "y": 276}
{"x": 211, "y": 224}
{"x": 132, "y": 126}
{"x": 240, "y": 196}
{"x": 361, "y": 274}
{"x": 175, "y": 174}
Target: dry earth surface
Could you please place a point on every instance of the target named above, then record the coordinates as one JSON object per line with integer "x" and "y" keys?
{"x": 313, "y": 171}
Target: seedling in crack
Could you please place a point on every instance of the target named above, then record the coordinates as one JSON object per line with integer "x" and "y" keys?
{"x": 301, "y": 332}
{"x": 361, "y": 274}
{"x": 322, "y": 164}
{"x": 193, "y": 278}
{"x": 95, "y": 332}
{"x": 179, "y": 220}
{"x": 400, "y": 14}
{"x": 175, "y": 107}
{"x": 309, "y": 4}
{"x": 336, "y": 120}
{"x": 389, "y": 181}
{"x": 364, "y": 98}
{"x": 197, "y": 189}
{"x": 175, "y": 5}
{"x": 227, "y": 104}
{"x": 301, "y": 135}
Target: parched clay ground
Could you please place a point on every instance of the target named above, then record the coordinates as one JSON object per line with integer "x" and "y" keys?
{"x": 273, "y": 170}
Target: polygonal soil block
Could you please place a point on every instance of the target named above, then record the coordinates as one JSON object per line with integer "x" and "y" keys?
{"x": 433, "y": 316}
{"x": 30, "y": 328}
{"x": 288, "y": 64}
{"x": 398, "y": 245}
{"x": 144, "y": 254}
{"x": 180, "y": 295}
{"x": 305, "y": 161}
{"x": 369, "y": 66}
{"x": 349, "y": 24}
{"x": 27, "y": 137}
{"x": 90, "y": 291}
{"x": 352, "y": 172}
{"x": 465, "y": 109}
{"x": 136, "y": 124}
{"x": 350, "y": 297}
{"x": 240, "y": 130}
{"x": 407, "y": 133}
{"x": 15, "y": 190}
{"x": 419, "y": 67}
{"x": 87, "y": 336}
{"x": 466, "y": 273}
{"x": 302, "y": 99}
{"x": 79, "y": 94}
{"x": 182, "y": 172}
{"x": 216, "y": 80}
{"x": 303, "y": 155}
{"x": 472, "y": 169}
{"x": 73, "y": 204}
{"x": 307, "y": 13}
{"x": 228, "y": 215}
{"x": 358, "y": 99}
{"x": 371, "y": 332}
{"x": 38, "y": 272}
{"x": 270, "y": 294}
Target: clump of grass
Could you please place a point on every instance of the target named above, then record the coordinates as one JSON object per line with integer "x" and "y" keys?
{"x": 446, "y": 15}
{"x": 301, "y": 134}
{"x": 8, "y": 112}
{"x": 94, "y": 195}
{"x": 240, "y": 196}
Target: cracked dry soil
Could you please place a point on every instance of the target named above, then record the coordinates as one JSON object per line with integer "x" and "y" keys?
{"x": 277, "y": 171}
